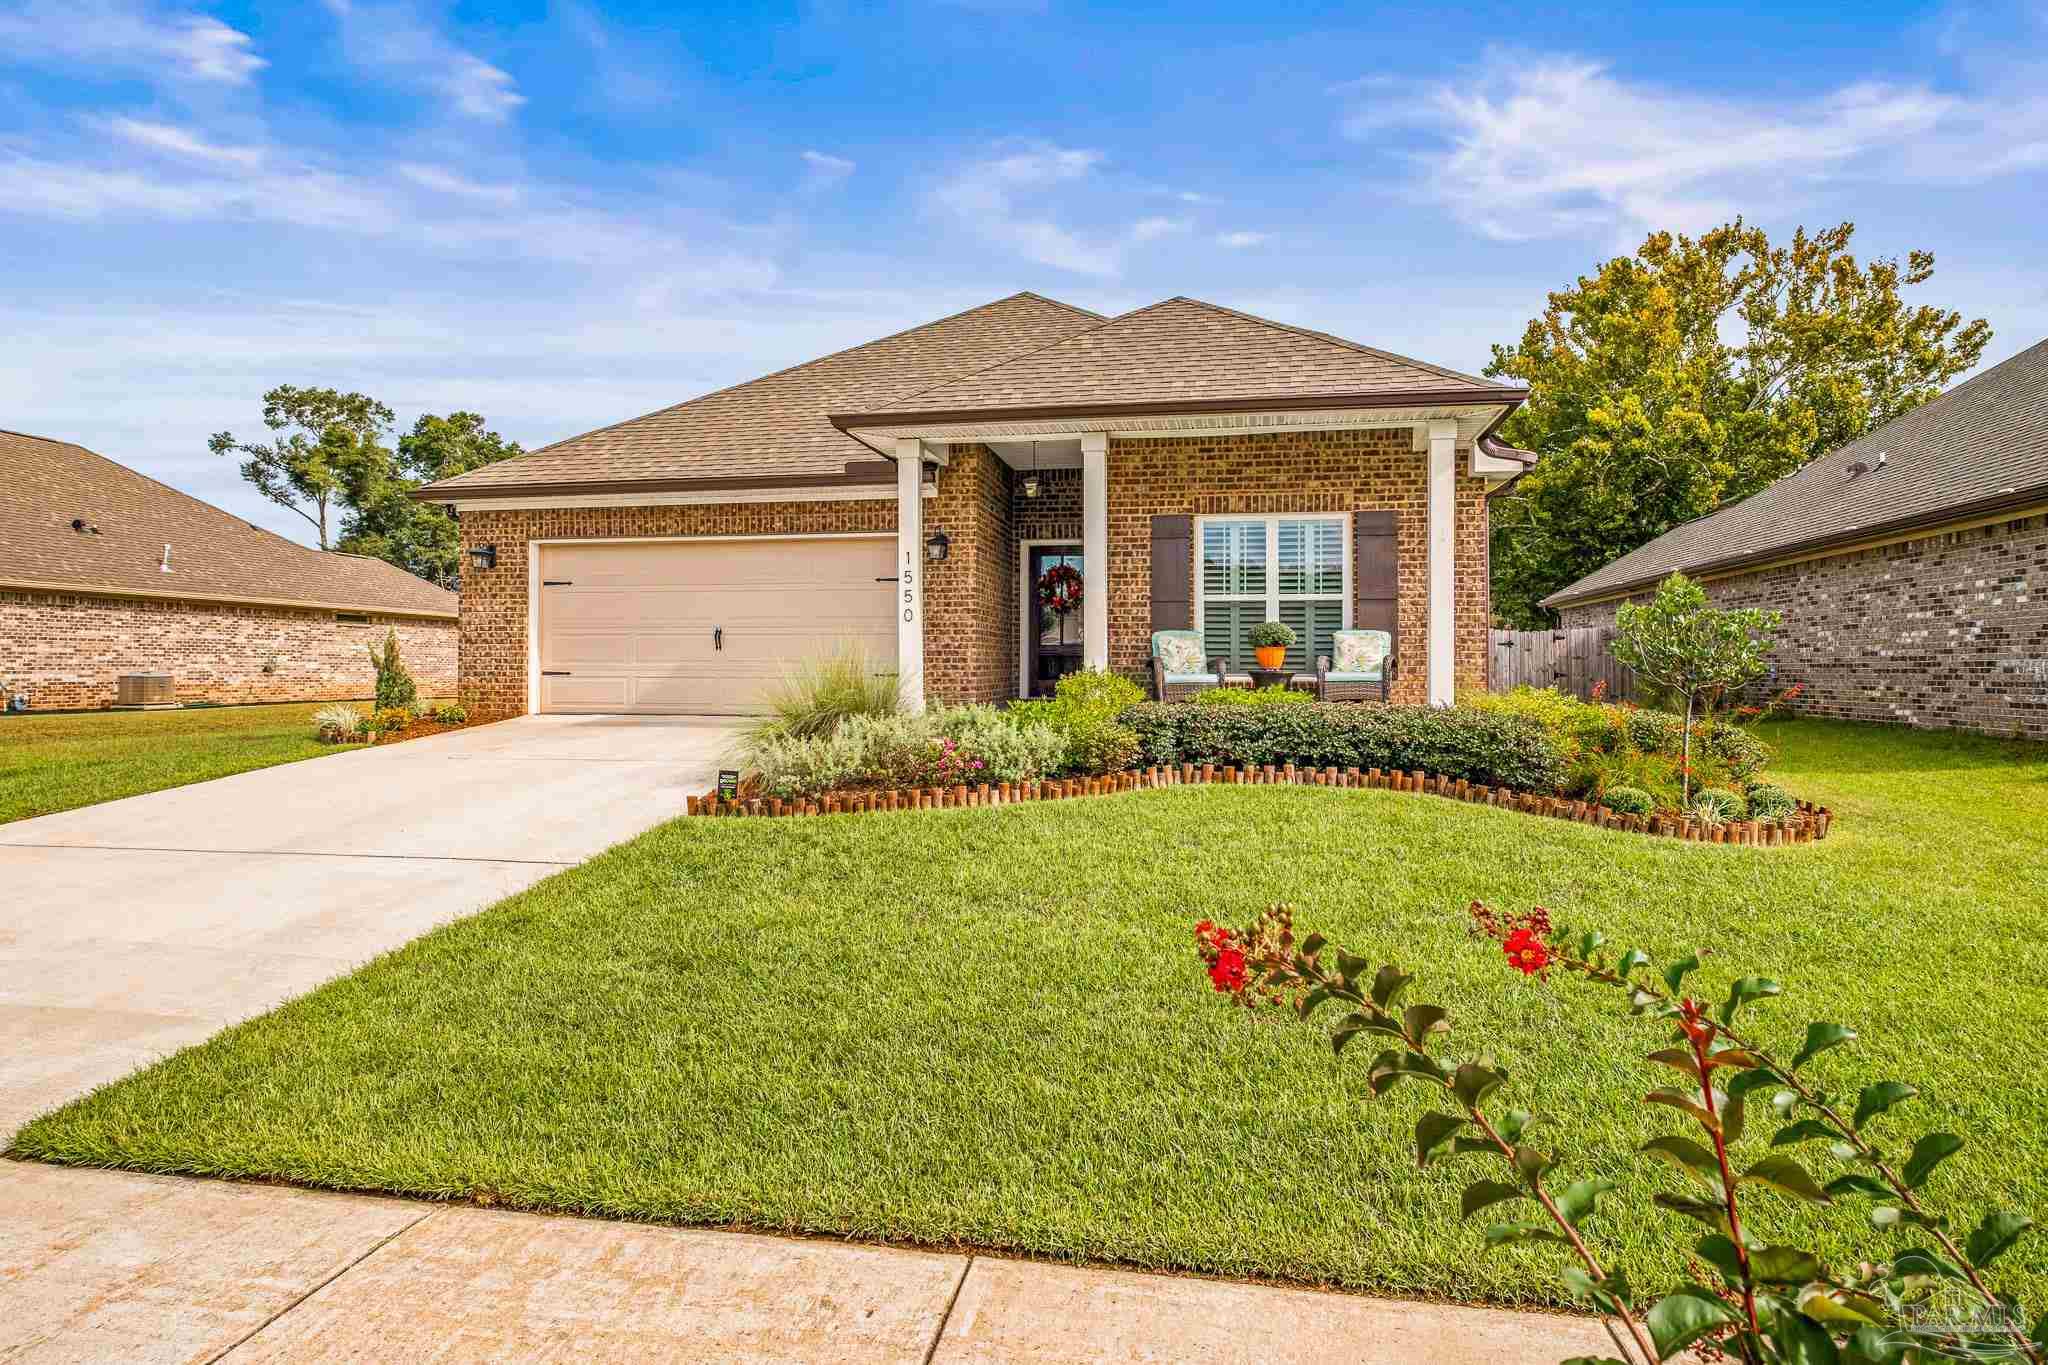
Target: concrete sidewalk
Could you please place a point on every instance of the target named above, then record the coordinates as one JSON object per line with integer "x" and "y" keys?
{"x": 102, "y": 1266}
{"x": 132, "y": 928}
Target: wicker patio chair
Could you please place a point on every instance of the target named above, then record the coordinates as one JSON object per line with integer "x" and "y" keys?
{"x": 1366, "y": 659}
{"x": 1177, "y": 665}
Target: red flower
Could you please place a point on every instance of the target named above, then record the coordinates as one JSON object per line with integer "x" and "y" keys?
{"x": 1227, "y": 972}
{"x": 1526, "y": 953}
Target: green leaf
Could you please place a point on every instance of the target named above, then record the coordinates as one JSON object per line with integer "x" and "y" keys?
{"x": 1349, "y": 1027}
{"x": 1502, "y": 1234}
{"x": 1754, "y": 1079}
{"x": 1732, "y": 1113}
{"x": 1709, "y": 1211}
{"x": 1921, "y": 1261}
{"x": 1806, "y": 1130}
{"x": 1531, "y": 1164}
{"x": 1609, "y": 1295}
{"x": 1826, "y": 1304}
{"x": 1819, "y": 1038}
{"x": 1855, "y": 1182}
{"x": 1419, "y": 1021}
{"x": 1481, "y": 1193}
{"x": 1802, "y": 1342}
{"x": 1387, "y": 984}
{"x": 1674, "y": 975}
{"x": 1679, "y": 1319}
{"x": 1929, "y": 1152}
{"x": 1312, "y": 945}
{"x": 1391, "y": 1067}
{"x": 1745, "y": 990}
{"x": 1785, "y": 1265}
{"x": 1472, "y": 1083}
{"x": 1872, "y": 1345}
{"x": 1880, "y": 1096}
{"x": 1351, "y": 968}
{"x": 1513, "y": 1124}
{"x": 1430, "y": 1132}
{"x": 1576, "y": 1201}
{"x": 1677, "y": 1058}
{"x": 1992, "y": 1236}
{"x": 1687, "y": 1156}
{"x": 1589, "y": 943}
{"x": 1787, "y": 1176}
{"x": 1312, "y": 1001}
{"x": 1679, "y": 1099}
{"x": 1630, "y": 960}
{"x": 1720, "y": 1253}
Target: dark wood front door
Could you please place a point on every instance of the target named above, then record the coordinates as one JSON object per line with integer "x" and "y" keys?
{"x": 1052, "y": 639}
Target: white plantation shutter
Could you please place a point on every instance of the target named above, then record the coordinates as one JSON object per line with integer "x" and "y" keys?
{"x": 1288, "y": 569}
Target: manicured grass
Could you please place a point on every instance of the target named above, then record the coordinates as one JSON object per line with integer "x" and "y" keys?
{"x": 60, "y": 762}
{"x": 990, "y": 1027}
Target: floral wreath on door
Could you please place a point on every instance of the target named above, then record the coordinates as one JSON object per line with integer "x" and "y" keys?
{"x": 1059, "y": 589}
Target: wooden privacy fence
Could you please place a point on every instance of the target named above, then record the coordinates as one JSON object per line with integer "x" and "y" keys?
{"x": 1569, "y": 660}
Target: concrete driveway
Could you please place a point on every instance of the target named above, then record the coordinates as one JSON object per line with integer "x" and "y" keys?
{"x": 130, "y": 929}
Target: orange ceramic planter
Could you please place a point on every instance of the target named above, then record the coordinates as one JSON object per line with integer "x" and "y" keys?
{"x": 1271, "y": 656}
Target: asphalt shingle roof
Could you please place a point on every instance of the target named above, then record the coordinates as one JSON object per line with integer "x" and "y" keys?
{"x": 45, "y": 485}
{"x": 775, "y": 426}
{"x": 1185, "y": 350}
{"x": 1981, "y": 445}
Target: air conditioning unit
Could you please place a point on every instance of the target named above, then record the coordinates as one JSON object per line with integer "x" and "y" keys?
{"x": 145, "y": 692}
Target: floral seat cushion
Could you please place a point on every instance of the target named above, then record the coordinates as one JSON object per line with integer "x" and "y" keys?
{"x": 1360, "y": 653}
{"x": 1180, "y": 652}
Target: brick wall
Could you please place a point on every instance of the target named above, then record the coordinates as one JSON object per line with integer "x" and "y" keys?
{"x": 66, "y": 650}
{"x": 970, "y": 600}
{"x": 1337, "y": 471}
{"x": 1055, "y": 514}
{"x": 1949, "y": 631}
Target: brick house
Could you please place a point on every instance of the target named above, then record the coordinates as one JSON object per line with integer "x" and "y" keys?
{"x": 1909, "y": 566}
{"x": 105, "y": 572}
{"x": 912, "y": 495}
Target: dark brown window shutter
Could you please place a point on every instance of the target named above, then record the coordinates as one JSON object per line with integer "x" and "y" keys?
{"x": 1173, "y": 561}
{"x": 1375, "y": 573}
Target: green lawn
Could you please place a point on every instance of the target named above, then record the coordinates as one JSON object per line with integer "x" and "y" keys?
{"x": 989, "y": 1028}
{"x": 60, "y": 762}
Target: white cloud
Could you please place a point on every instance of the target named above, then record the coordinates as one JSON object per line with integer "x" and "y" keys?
{"x": 1237, "y": 241}
{"x": 129, "y": 35}
{"x": 825, "y": 170}
{"x": 1002, "y": 200}
{"x": 394, "y": 43}
{"x": 1542, "y": 146}
{"x": 1152, "y": 229}
{"x": 180, "y": 142}
{"x": 445, "y": 181}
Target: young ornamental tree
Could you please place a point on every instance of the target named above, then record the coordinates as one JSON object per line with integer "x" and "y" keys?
{"x": 1681, "y": 642}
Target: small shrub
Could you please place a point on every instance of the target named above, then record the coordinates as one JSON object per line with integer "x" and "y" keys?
{"x": 396, "y": 691}
{"x": 1557, "y": 712}
{"x": 336, "y": 723}
{"x": 1656, "y": 732}
{"x": 1734, "y": 750}
{"x": 887, "y": 751}
{"x": 1102, "y": 746}
{"x": 452, "y": 713}
{"x": 817, "y": 696}
{"x": 1629, "y": 801}
{"x": 1768, "y": 802}
{"x": 792, "y": 766}
{"x": 1271, "y": 635}
{"x": 1252, "y": 696}
{"x": 1094, "y": 692}
{"x": 1009, "y": 749}
{"x": 390, "y": 720}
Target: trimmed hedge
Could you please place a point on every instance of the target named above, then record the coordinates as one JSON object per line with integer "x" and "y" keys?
{"x": 1493, "y": 748}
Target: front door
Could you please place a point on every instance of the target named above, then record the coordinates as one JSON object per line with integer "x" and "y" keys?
{"x": 1052, "y": 637}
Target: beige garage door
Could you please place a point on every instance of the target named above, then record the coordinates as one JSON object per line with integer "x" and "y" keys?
{"x": 704, "y": 626}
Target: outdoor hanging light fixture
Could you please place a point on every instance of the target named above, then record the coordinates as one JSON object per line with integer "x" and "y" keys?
{"x": 1031, "y": 479}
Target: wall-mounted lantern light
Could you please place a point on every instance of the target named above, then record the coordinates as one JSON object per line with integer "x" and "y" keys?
{"x": 484, "y": 556}
{"x": 936, "y": 545}
{"x": 1031, "y": 478}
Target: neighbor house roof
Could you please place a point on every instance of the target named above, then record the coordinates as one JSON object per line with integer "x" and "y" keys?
{"x": 126, "y": 519}
{"x": 1182, "y": 353}
{"x": 1977, "y": 450}
{"x": 772, "y": 431}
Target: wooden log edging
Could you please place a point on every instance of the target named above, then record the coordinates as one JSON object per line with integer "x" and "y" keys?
{"x": 1804, "y": 825}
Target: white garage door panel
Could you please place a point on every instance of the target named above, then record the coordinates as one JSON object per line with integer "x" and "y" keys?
{"x": 630, "y": 626}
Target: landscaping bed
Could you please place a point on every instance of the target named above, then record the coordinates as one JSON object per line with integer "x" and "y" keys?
{"x": 988, "y": 1029}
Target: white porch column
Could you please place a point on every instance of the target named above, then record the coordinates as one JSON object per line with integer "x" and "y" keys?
{"x": 1443, "y": 569}
{"x": 1095, "y": 549}
{"x": 910, "y": 570}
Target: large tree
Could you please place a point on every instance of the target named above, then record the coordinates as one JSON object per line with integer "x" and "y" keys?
{"x": 326, "y": 443}
{"x": 385, "y": 522}
{"x": 1693, "y": 373}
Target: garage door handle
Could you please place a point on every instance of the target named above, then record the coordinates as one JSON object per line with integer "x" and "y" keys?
{"x": 558, "y": 583}
{"x": 888, "y": 580}
{"x": 554, "y": 672}
{"x": 718, "y": 637}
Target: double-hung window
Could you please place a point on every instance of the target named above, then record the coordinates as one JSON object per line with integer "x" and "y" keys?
{"x": 1288, "y": 569}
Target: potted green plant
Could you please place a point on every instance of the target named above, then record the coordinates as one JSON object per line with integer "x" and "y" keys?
{"x": 1270, "y": 640}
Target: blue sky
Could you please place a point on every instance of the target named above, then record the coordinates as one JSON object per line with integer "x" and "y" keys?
{"x": 566, "y": 214}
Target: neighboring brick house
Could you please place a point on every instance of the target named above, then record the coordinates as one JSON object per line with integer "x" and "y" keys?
{"x": 104, "y": 572}
{"x": 1909, "y": 566}
{"x": 1197, "y": 466}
